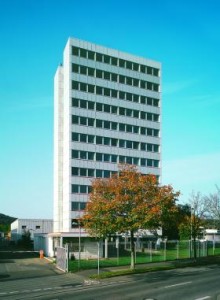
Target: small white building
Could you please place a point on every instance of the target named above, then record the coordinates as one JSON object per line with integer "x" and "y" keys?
{"x": 34, "y": 226}
{"x": 212, "y": 235}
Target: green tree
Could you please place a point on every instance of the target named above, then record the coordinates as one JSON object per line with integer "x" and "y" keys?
{"x": 127, "y": 202}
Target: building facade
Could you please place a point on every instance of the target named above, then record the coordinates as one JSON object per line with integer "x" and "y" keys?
{"x": 107, "y": 111}
{"x": 34, "y": 226}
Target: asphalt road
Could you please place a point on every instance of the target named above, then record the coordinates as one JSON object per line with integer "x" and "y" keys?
{"x": 38, "y": 279}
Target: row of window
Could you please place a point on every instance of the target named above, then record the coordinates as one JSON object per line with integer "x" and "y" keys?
{"x": 84, "y": 172}
{"x": 105, "y": 157}
{"x": 81, "y": 189}
{"x": 115, "y": 110}
{"x": 115, "y": 77}
{"x": 114, "y": 126}
{"x": 76, "y": 205}
{"x": 113, "y": 142}
{"x": 102, "y": 91}
{"x": 114, "y": 61}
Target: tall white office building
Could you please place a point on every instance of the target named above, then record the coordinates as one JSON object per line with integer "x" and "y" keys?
{"x": 107, "y": 111}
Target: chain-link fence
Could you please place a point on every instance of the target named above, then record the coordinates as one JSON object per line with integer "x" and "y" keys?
{"x": 117, "y": 252}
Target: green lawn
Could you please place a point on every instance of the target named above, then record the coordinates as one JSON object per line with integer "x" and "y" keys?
{"x": 172, "y": 252}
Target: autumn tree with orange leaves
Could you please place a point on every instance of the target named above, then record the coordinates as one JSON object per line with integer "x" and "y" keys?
{"x": 126, "y": 202}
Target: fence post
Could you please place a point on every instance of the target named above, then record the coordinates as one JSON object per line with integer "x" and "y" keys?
{"x": 67, "y": 257}
{"x": 177, "y": 249}
{"x": 165, "y": 250}
{"x": 150, "y": 246}
{"x": 98, "y": 256}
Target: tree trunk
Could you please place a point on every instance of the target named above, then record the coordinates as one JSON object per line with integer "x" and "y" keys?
{"x": 132, "y": 251}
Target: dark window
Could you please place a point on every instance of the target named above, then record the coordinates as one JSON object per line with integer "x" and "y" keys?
{"x": 107, "y": 174}
{"x": 91, "y": 173}
{"x": 91, "y": 139}
{"x": 129, "y": 96}
{"x": 99, "y": 156}
{"x": 91, "y": 72}
{"x": 91, "y": 88}
{"x": 75, "y": 85}
{"x": 107, "y": 108}
{"x": 114, "y": 158}
{"x": 155, "y": 72}
{"x": 149, "y": 101}
{"x": 99, "y": 90}
{"x": 83, "y": 189}
{"x": 82, "y": 205}
{"x": 129, "y": 80}
{"x": 99, "y": 106}
{"x": 149, "y": 85}
{"x": 121, "y": 63}
{"x": 83, "y": 53}
{"x": 75, "y": 205}
{"x": 122, "y": 79}
{"x": 135, "y": 161}
{"x": 99, "y": 123}
{"x": 122, "y": 95}
{"x": 143, "y": 84}
{"x": 121, "y": 111}
{"x": 149, "y": 116}
{"x": 83, "y": 70}
{"x": 91, "y": 55}
{"x": 129, "y": 65}
{"x": 98, "y": 73}
{"x": 135, "y": 145}
{"x": 114, "y": 77}
{"x": 107, "y": 92}
{"x": 75, "y": 120}
{"x": 114, "y": 142}
{"x": 143, "y": 69}
{"x": 156, "y": 132}
{"x": 136, "y": 129}
{"x": 143, "y": 115}
{"x": 106, "y": 141}
{"x": 129, "y": 144}
{"x": 143, "y": 130}
{"x": 149, "y": 70}
{"x": 99, "y": 140}
{"x": 122, "y": 159}
{"x": 122, "y": 143}
{"x": 83, "y": 172}
{"x": 114, "y": 93}
{"x": 75, "y": 171}
{"x": 114, "y": 125}
{"x": 75, "y": 102}
{"x": 75, "y": 154}
{"x": 149, "y": 147}
{"x": 106, "y": 124}
{"x": 106, "y": 59}
{"x": 75, "y": 51}
{"x": 143, "y": 162}
{"x": 83, "y": 154}
{"x": 129, "y": 160}
{"x": 149, "y": 162}
{"x": 23, "y": 227}
{"x": 82, "y": 137}
{"x": 149, "y": 131}
{"x": 156, "y": 163}
{"x": 114, "y": 61}
{"x": 74, "y": 223}
{"x": 83, "y": 87}
{"x": 114, "y": 109}
{"x": 135, "y": 66}
{"x": 107, "y": 75}
{"x": 106, "y": 157}
{"x": 75, "y": 68}
{"x": 143, "y": 100}
{"x": 156, "y": 102}
{"x": 143, "y": 146}
{"x": 121, "y": 127}
{"x": 156, "y": 148}
{"x": 75, "y": 188}
{"x": 99, "y": 173}
{"x": 156, "y": 87}
{"x": 91, "y": 105}
{"x": 99, "y": 57}
{"x": 75, "y": 136}
{"x": 83, "y": 104}
{"x": 83, "y": 121}
{"x": 156, "y": 118}
{"x": 91, "y": 122}
{"x": 135, "y": 82}
{"x": 135, "y": 113}
{"x": 37, "y": 227}
{"x": 135, "y": 98}
{"x": 91, "y": 155}
{"x": 128, "y": 128}
{"x": 129, "y": 112}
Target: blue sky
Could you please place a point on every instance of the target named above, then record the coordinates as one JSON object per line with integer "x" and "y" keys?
{"x": 183, "y": 35}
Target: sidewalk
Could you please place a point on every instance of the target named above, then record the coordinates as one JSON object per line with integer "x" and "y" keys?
{"x": 85, "y": 274}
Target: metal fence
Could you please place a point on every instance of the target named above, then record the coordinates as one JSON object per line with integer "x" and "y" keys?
{"x": 118, "y": 251}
